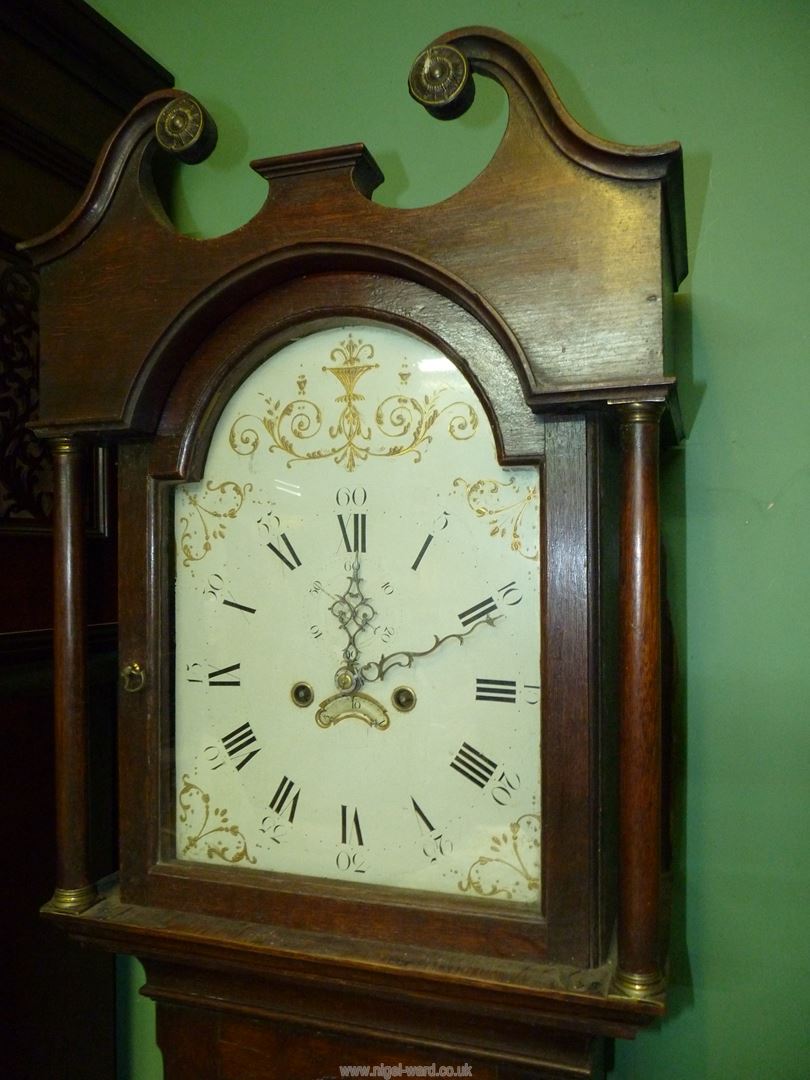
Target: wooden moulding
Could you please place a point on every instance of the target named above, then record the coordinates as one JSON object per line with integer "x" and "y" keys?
{"x": 593, "y": 232}
{"x": 339, "y": 983}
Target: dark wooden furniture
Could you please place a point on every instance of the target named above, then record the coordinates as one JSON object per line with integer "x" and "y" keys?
{"x": 68, "y": 79}
{"x": 550, "y": 279}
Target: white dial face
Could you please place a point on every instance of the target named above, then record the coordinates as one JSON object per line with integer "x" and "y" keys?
{"x": 357, "y": 610}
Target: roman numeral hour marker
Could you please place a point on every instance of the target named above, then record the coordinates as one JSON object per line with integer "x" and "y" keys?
{"x": 496, "y": 690}
{"x": 473, "y": 765}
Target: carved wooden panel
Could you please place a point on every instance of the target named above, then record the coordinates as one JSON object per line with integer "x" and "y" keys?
{"x": 26, "y": 484}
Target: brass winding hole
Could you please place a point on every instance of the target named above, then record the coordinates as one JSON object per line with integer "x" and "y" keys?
{"x": 302, "y": 694}
{"x": 403, "y": 698}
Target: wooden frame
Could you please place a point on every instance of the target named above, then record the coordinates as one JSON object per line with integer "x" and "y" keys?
{"x": 566, "y": 346}
{"x": 570, "y": 724}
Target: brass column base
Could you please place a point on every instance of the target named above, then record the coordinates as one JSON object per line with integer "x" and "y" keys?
{"x": 73, "y": 901}
{"x": 644, "y": 985}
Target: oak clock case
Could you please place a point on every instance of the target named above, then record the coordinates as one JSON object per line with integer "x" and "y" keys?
{"x": 356, "y": 625}
{"x": 390, "y": 720}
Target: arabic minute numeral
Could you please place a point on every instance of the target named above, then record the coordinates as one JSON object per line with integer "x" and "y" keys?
{"x": 273, "y": 829}
{"x": 269, "y": 524}
{"x": 436, "y": 845}
{"x": 510, "y": 594}
{"x": 351, "y": 496}
{"x": 353, "y": 862}
{"x": 214, "y": 585}
{"x": 213, "y": 755}
{"x": 505, "y": 787}
{"x": 532, "y": 693}
{"x": 194, "y": 673}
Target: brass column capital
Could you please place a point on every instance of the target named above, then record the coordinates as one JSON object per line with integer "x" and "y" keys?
{"x": 639, "y": 412}
{"x": 65, "y": 444}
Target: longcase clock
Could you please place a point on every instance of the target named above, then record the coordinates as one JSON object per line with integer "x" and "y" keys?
{"x": 389, "y": 720}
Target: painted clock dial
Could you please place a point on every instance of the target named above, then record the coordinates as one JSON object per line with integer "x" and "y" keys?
{"x": 357, "y": 628}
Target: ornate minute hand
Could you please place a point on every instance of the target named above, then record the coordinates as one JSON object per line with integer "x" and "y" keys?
{"x": 376, "y": 670}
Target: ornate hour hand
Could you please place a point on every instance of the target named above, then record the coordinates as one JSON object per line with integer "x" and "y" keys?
{"x": 376, "y": 670}
{"x": 354, "y": 612}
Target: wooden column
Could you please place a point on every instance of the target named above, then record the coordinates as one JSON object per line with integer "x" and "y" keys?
{"x": 639, "y": 962}
{"x": 74, "y": 891}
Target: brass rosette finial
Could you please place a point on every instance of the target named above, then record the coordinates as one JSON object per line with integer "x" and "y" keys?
{"x": 440, "y": 79}
{"x": 185, "y": 129}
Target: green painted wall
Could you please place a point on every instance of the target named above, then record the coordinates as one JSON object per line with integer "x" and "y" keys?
{"x": 730, "y": 80}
